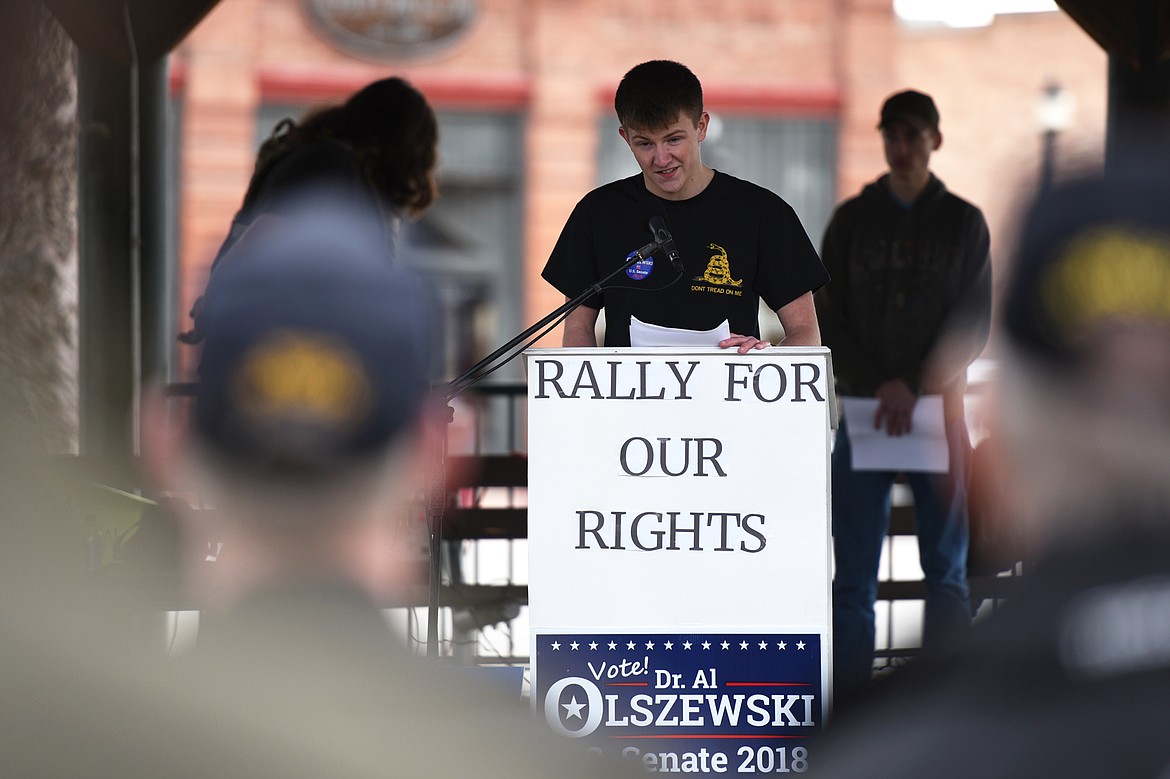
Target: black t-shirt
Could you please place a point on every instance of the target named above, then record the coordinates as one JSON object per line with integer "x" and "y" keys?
{"x": 739, "y": 243}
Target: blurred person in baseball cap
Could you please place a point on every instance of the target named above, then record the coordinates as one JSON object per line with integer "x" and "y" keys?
{"x": 1086, "y": 324}
{"x": 1082, "y": 418}
{"x": 311, "y": 441}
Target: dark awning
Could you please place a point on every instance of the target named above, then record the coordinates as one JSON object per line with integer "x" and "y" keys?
{"x": 103, "y": 27}
{"x": 1134, "y": 31}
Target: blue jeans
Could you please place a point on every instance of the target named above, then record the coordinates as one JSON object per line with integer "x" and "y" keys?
{"x": 861, "y": 516}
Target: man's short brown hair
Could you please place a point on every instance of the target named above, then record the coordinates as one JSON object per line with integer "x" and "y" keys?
{"x": 652, "y": 95}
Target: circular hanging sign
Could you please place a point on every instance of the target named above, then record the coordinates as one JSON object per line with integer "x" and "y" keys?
{"x": 391, "y": 28}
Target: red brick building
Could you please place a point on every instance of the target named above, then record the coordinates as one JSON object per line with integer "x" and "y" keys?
{"x": 525, "y": 100}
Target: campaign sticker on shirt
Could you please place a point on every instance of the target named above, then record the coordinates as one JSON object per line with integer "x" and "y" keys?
{"x": 640, "y": 269}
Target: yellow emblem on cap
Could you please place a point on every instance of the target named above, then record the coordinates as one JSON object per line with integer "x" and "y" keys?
{"x": 303, "y": 376}
{"x": 1109, "y": 274}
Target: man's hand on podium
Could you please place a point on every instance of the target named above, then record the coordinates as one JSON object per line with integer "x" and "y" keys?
{"x": 744, "y": 343}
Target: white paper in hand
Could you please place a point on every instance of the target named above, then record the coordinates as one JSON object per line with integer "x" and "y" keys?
{"x": 643, "y": 334}
{"x": 924, "y": 448}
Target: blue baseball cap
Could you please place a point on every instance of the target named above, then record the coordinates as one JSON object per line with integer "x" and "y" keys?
{"x": 317, "y": 348}
{"x": 1092, "y": 254}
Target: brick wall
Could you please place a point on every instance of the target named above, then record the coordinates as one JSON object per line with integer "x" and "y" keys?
{"x": 559, "y": 62}
{"x": 987, "y": 83}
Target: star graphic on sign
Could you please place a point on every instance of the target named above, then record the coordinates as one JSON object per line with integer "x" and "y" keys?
{"x": 612, "y": 645}
{"x": 631, "y": 645}
{"x": 725, "y": 645}
{"x": 593, "y": 645}
{"x": 800, "y": 645}
{"x": 782, "y": 645}
{"x": 706, "y": 644}
{"x": 743, "y": 645}
{"x": 574, "y": 646}
{"x": 686, "y": 645}
{"x": 572, "y": 708}
{"x": 649, "y": 644}
{"x": 556, "y": 646}
{"x": 668, "y": 645}
{"x": 763, "y": 645}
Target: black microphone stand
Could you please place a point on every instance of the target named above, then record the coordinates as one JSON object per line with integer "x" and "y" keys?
{"x": 437, "y": 488}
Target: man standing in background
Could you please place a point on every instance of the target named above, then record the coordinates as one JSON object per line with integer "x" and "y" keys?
{"x": 911, "y": 268}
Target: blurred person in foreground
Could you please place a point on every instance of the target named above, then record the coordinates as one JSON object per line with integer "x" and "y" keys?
{"x": 313, "y": 418}
{"x": 1071, "y": 677}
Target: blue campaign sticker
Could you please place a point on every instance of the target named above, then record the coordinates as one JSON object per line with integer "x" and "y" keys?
{"x": 640, "y": 269}
{"x": 700, "y": 703}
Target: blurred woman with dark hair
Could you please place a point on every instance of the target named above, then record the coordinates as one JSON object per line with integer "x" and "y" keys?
{"x": 376, "y": 152}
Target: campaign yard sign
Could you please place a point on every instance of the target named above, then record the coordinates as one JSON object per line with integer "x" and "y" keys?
{"x": 679, "y": 559}
{"x": 706, "y": 703}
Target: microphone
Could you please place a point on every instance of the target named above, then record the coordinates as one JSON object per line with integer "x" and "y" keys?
{"x": 644, "y": 252}
{"x": 664, "y": 239}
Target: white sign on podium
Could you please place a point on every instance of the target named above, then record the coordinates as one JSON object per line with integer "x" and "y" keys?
{"x": 679, "y": 552}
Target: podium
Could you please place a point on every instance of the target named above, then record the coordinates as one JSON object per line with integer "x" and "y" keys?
{"x": 679, "y": 552}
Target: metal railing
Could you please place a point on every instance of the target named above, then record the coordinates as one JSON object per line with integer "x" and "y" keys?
{"x": 485, "y": 584}
{"x": 499, "y": 413}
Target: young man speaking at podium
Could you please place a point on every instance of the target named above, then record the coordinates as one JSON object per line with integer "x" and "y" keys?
{"x": 736, "y": 243}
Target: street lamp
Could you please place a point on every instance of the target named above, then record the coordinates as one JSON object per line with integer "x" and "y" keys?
{"x": 1054, "y": 111}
